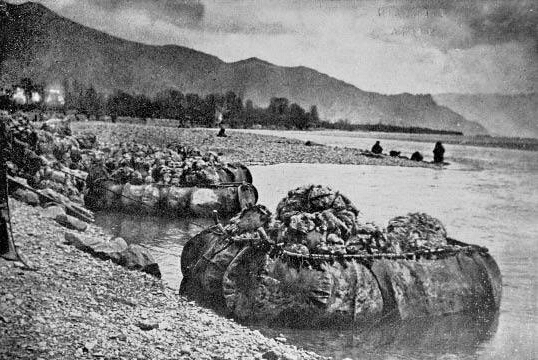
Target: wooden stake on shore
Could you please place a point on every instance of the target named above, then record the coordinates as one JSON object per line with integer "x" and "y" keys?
{"x": 71, "y": 209}
{"x": 7, "y": 245}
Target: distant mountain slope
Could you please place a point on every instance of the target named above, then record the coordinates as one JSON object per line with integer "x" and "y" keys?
{"x": 508, "y": 115}
{"x": 46, "y": 47}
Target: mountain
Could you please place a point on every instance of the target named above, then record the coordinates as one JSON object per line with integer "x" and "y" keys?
{"x": 507, "y": 115}
{"x": 41, "y": 45}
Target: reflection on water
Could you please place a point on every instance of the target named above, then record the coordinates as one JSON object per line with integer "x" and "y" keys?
{"x": 457, "y": 335}
{"x": 487, "y": 196}
{"x": 164, "y": 237}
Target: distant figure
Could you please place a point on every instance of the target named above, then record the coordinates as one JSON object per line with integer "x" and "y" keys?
{"x": 394, "y": 153}
{"x": 221, "y": 131}
{"x": 219, "y": 116}
{"x": 417, "y": 156}
{"x": 377, "y": 149}
{"x": 438, "y": 152}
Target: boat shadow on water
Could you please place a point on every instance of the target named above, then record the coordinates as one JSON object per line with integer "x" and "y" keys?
{"x": 461, "y": 335}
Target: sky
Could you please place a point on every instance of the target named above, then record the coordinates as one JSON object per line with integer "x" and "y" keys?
{"x": 387, "y": 46}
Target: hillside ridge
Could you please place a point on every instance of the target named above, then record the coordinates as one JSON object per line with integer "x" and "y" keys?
{"x": 48, "y": 48}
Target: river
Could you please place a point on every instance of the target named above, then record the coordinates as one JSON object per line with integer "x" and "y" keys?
{"x": 486, "y": 196}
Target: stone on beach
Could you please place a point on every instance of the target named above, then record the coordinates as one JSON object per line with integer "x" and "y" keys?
{"x": 132, "y": 257}
{"x": 136, "y": 257}
{"x": 53, "y": 211}
{"x": 111, "y": 249}
{"x": 27, "y": 196}
{"x": 82, "y": 242}
{"x": 71, "y": 222}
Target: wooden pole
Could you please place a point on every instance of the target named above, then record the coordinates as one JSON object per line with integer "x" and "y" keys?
{"x": 7, "y": 245}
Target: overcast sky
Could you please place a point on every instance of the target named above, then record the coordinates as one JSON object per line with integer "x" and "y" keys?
{"x": 388, "y": 46}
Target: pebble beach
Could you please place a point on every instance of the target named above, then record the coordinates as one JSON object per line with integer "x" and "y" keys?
{"x": 247, "y": 148}
{"x": 71, "y": 305}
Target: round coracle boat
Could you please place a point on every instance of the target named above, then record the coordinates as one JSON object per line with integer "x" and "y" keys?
{"x": 224, "y": 197}
{"x": 315, "y": 264}
{"x": 178, "y": 180}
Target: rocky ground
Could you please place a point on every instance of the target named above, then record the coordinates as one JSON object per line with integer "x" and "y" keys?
{"x": 250, "y": 149}
{"x": 76, "y": 306}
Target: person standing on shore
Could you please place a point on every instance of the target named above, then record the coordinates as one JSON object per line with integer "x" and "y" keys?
{"x": 219, "y": 117}
{"x": 222, "y": 131}
{"x": 438, "y": 152}
{"x": 377, "y": 149}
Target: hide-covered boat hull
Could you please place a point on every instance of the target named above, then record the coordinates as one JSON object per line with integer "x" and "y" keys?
{"x": 174, "y": 200}
{"x": 256, "y": 283}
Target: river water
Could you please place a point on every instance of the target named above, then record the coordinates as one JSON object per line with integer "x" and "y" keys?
{"x": 487, "y": 196}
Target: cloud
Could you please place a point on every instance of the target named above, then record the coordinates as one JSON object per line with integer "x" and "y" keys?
{"x": 463, "y": 23}
{"x": 388, "y": 46}
{"x": 223, "y": 17}
{"x": 179, "y": 12}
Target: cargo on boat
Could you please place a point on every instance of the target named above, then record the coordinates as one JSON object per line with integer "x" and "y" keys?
{"x": 131, "y": 176}
{"x": 178, "y": 180}
{"x": 308, "y": 267}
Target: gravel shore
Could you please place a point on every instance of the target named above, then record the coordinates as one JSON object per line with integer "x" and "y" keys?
{"x": 76, "y": 306}
{"x": 250, "y": 149}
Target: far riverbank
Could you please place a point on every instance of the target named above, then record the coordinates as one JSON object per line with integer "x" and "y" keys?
{"x": 241, "y": 146}
{"x": 529, "y": 144}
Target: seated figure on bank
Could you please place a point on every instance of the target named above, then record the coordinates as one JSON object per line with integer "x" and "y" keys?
{"x": 417, "y": 156}
{"x": 377, "y": 149}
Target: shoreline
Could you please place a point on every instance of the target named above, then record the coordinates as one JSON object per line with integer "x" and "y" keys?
{"x": 247, "y": 148}
{"x": 77, "y": 306}
{"x": 486, "y": 141}
{"x": 482, "y": 141}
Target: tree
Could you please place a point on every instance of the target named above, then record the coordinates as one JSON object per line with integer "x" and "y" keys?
{"x": 142, "y": 106}
{"x": 91, "y": 102}
{"x": 298, "y": 117}
{"x": 279, "y": 111}
{"x": 73, "y": 91}
{"x": 212, "y": 104}
{"x": 313, "y": 116}
{"x": 28, "y": 86}
{"x": 194, "y": 110}
{"x": 249, "y": 114}
{"x": 278, "y": 106}
{"x": 168, "y": 104}
{"x": 234, "y": 108}
{"x": 120, "y": 104}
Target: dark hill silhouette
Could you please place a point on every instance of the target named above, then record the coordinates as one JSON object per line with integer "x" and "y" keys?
{"x": 48, "y": 48}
